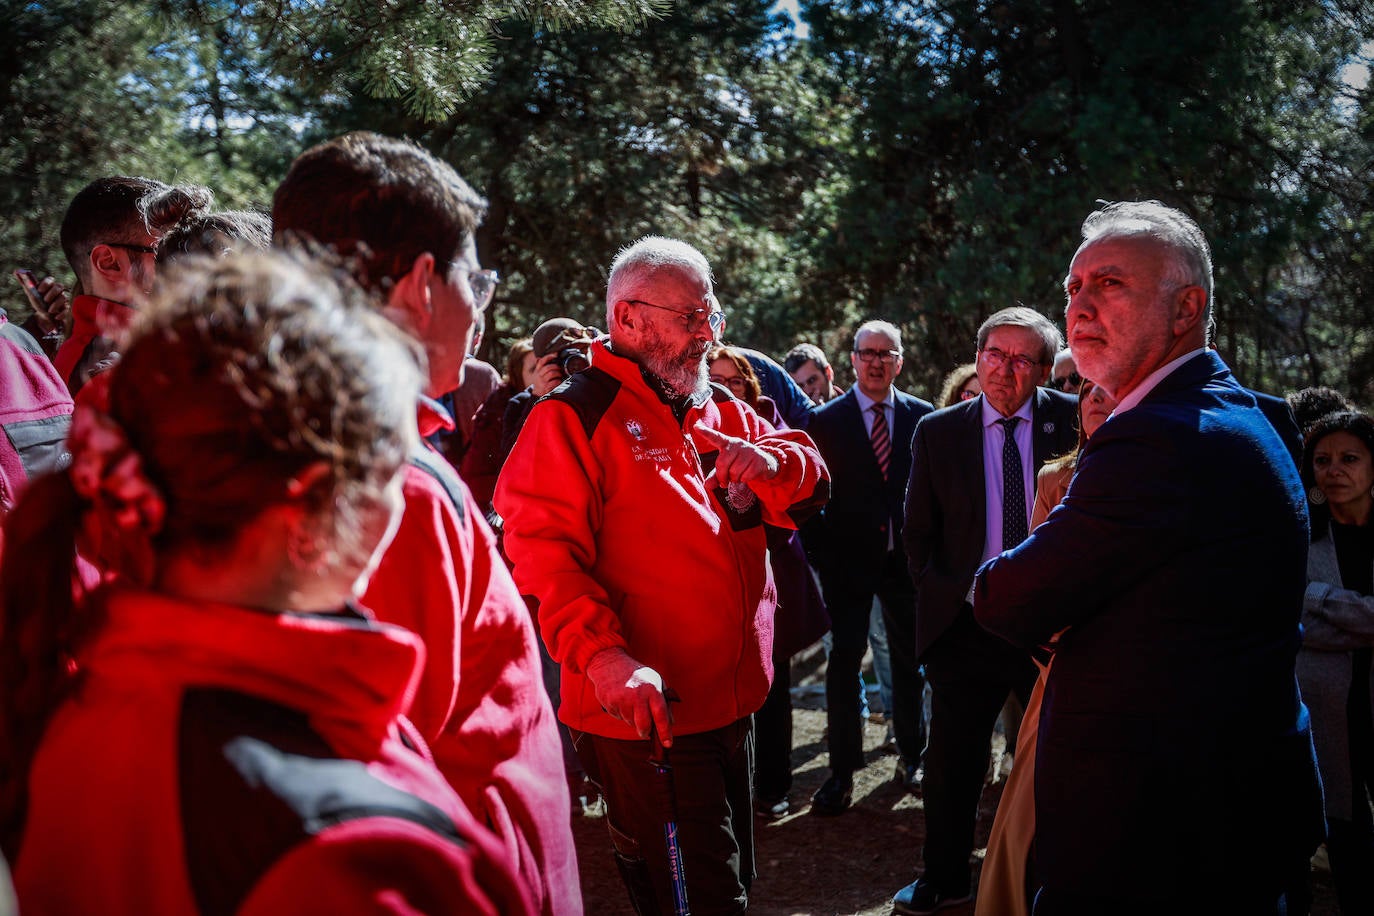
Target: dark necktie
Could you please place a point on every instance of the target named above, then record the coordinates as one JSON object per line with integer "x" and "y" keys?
{"x": 881, "y": 439}
{"x": 1014, "y": 529}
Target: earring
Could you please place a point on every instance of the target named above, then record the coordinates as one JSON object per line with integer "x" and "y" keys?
{"x": 1315, "y": 496}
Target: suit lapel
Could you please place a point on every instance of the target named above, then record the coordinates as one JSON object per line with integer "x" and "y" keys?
{"x": 1045, "y": 431}
{"x": 971, "y": 457}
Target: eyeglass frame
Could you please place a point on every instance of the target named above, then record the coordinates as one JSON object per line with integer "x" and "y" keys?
{"x": 714, "y": 318}
{"x": 128, "y": 246}
{"x": 733, "y": 382}
{"x": 1066, "y": 383}
{"x": 1022, "y": 364}
{"x": 481, "y": 298}
{"x": 868, "y": 355}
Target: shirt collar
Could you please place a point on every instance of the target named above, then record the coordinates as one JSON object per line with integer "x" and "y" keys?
{"x": 991, "y": 415}
{"x": 866, "y": 403}
{"x": 1154, "y": 378}
{"x": 431, "y": 416}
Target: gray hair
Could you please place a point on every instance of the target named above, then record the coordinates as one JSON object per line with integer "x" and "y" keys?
{"x": 1019, "y": 316}
{"x": 1190, "y": 257}
{"x": 878, "y": 326}
{"x": 635, "y": 266}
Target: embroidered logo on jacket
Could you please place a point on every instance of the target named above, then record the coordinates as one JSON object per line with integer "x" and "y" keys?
{"x": 634, "y": 428}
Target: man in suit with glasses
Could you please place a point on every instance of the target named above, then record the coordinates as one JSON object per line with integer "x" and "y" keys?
{"x": 855, "y": 544}
{"x": 972, "y": 485}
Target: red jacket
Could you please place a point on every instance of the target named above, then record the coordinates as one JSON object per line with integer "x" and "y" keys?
{"x": 35, "y": 411}
{"x": 481, "y": 702}
{"x": 614, "y": 524}
{"x": 95, "y": 324}
{"x": 217, "y": 759}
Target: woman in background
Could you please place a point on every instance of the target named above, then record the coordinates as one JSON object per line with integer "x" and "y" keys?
{"x": 1338, "y": 642}
{"x": 800, "y": 620}
{"x": 481, "y": 463}
{"x": 960, "y": 384}
{"x": 219, "y": 728}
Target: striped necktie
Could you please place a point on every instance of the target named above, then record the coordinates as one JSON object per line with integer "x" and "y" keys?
{"x": 881, "y": 439}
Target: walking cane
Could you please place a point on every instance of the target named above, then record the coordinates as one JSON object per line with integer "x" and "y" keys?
{"x": 658, "y": 759}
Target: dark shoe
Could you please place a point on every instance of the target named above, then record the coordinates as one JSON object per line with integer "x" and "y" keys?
{"x": 920, "y": 897}
{"x": 771, "y": 808}
{"x": 833, "y": 797}
{"x": 909, "y": 775}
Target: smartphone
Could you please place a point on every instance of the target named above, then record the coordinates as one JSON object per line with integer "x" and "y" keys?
{"x": 27, "y": 280}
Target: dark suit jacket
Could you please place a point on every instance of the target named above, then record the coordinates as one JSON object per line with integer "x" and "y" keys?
{"x": 847, "y": 541}
{"x": 1280, "y": 416}
{"x": 1177, "y": 561}
{"x": 946, "y": 503}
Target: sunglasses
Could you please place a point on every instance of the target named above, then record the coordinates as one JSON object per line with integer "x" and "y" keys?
{"x": 1066, "y": 383}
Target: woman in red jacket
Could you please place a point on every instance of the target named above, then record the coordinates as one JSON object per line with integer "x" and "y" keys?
{"x": 218, "y": 729}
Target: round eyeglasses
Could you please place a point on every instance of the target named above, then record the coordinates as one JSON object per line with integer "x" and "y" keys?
{"x": 997, "y": 359}
{"x": 693, "y": 320}
{"x": 483, "y": 286}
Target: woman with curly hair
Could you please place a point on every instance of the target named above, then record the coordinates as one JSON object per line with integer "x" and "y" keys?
{"x": 1334, "y": 664}
{"x": 218, "y": 727}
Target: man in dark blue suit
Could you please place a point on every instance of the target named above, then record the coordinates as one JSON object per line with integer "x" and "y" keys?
{"x": 972, "y": 485}
{"x": 1175, "y": 569}
{"x": 855, "y": 544}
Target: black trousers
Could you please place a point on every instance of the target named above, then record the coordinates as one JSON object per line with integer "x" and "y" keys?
{"x": 850, "y": 603}
{"x": 773, "y": 736}
{"x": 711, "y": 775}
{"x": 970, "y": 673}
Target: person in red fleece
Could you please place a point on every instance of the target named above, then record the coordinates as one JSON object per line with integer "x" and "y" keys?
{"x": 220, "y": 730}
{"x": 406, "y": 220}
{"x": 110, "y": 235}
{"x": 35, "y": 411}
{"x": 634, "y": 505}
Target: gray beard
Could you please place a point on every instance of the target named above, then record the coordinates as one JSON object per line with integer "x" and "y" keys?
{"x": 678, "y": 374}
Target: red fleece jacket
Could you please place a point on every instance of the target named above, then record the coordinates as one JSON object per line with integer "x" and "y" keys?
{"x": 481, "y": 702}
{"x": 221, "y": 759}
{"x": 614, "y": 523}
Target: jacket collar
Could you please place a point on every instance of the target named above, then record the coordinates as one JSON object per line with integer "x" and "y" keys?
{"x": 344, "y": 671}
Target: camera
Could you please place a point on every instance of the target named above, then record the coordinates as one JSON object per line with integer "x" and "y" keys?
{"x": 572, "y": 360}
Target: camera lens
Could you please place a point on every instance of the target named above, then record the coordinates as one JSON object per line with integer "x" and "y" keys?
{"x": 572, "y": 360}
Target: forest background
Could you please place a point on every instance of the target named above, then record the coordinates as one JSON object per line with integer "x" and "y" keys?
{"x": 923, "y": 162}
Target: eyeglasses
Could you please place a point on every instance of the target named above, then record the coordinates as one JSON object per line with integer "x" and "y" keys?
{"x": 735, "y": 382}
{"x": 146, "y": 249}
{"x": 968, "y": 394}
{"x": 997, "y": 359}
{"x": 483, "y": 286}
{"x": 692, "y": 321}
{"x": 1068, "y": 382}
{"x": 883, "y": 356}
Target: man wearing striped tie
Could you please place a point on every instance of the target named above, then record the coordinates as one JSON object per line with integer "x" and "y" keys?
{"x": 855, "y": 545}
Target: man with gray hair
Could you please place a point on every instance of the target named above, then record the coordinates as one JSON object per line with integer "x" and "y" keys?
{"x": 972, "y": 486}
{"x": 1174, "y": 570}
{"x": 856, "y": 546}
{"x": 635, "y": 502}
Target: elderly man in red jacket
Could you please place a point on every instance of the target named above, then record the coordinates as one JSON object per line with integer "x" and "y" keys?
{"x": 635, "y": 502}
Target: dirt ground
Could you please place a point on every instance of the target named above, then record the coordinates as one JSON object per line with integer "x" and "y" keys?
{"x": 852, "y": 864}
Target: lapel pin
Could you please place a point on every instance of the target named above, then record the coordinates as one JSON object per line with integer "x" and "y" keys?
{"x": 1048, "y": 428}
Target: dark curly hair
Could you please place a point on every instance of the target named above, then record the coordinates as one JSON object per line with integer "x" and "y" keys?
{"x": 1356, "y": 423}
